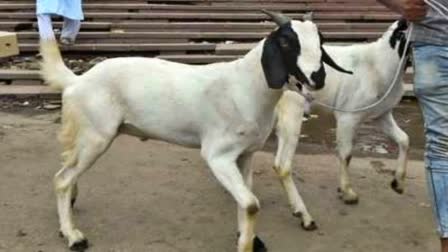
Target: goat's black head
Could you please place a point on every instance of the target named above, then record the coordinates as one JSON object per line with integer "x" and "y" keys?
{"x": 295, "y": 49}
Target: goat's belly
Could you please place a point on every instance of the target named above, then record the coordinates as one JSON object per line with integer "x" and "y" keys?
{"x": 386, "y": 106}
{"x": 182, "y": 137}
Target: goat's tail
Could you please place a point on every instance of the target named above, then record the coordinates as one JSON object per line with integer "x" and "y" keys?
{"x": 53, "y": 70}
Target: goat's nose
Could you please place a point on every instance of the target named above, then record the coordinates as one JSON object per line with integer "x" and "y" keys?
{"x": 319, "y": 78}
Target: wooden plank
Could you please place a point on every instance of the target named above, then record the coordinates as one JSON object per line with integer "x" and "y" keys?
{"x": 31, "y": 25}
{"x": 7, "y": 74}
{"x": 291, "y": 7}
{"x": 194, "y": 35}
{"x": 233, "y": 49}
{"x": 241, "y": 25}
{"x": 124, "y": 41}
{"x": 127, "y": 47}
{"x": 198, "y": 26}
{"x": 386, "y": 16}
{"x": 22, "y": 91}
{"x": 238, "y": 16}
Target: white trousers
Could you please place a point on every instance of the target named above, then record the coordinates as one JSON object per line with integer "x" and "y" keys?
{"x": 70, "y": 27}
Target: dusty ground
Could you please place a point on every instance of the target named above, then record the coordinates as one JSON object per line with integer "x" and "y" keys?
{"x": 158, "y": 197}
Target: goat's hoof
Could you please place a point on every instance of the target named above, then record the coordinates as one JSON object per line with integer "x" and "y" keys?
{"x": 348, "y": 197}
{"x": 354, "y": 201}
{"x": 397, "y": 187}
{"x": 80, "y": 246}
{"x": 310, "y": 227}
{"x": 259, "y": 245}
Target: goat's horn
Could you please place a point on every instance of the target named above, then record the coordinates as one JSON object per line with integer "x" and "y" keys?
{"x": 278, "y": 18}
{"x": 308, "y": 16}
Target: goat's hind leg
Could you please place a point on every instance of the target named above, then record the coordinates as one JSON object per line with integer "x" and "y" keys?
{"x": 345, "y": 132}
{"x": 89, "y": 147}
{"x": 390, "y": 127}
{"x": 287, "y": 144}
{"x": 289, "y": 112}
{"x": 295, "y": 200}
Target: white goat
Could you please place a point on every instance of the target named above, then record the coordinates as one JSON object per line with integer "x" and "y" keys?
{"x": 374, "y": 66}
{"x": 225, "y": 109}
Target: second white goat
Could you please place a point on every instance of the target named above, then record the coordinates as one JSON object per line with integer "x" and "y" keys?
{"x": 374, "y": 66}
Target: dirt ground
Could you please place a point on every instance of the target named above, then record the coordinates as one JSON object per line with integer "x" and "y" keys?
{"x": 152, "y": 196}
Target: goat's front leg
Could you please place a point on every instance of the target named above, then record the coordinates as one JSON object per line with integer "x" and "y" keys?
{"x": 225, "y": 169}
{"x": 390, "y": 127}
{"x": 288, "y": 137}
{"x": 345, "y": 132}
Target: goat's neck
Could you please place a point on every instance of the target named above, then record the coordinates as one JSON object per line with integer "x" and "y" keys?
{"x": 251, "y": 65}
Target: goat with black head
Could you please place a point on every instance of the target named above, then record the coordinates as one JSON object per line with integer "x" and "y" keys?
{"x": 292, "y": 50}
{"x": 225, "y": 109}
{"x": 376, "y": 66}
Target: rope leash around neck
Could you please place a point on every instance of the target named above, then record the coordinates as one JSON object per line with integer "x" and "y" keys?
{"x": 400, "y": 69}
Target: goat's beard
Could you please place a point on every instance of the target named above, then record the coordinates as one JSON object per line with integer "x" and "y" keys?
{"x": 294, "y": 85}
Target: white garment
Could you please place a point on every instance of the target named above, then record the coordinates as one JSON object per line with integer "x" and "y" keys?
{"x": 70, "y": 28}
{"x": 67, "y": 8}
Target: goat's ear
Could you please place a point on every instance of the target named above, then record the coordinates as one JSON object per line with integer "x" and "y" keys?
{"x": 399, "y": 37}
{"x": 402, "y": 24}
{"x": 329, "y": 61}
{"x": 273, "y": 64}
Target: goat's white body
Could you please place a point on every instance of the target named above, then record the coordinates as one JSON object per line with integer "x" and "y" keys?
{"x": 181, "y": 108}
{"x": 227, "y": 110}
{"x": 374, "y": 67}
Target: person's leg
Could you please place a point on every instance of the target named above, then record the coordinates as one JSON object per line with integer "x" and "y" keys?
{"x": 70, "y": 29}
{"x": 437, "y": 187}
{"x": 45, "y": 26}
{"x": 431, "y": 88}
